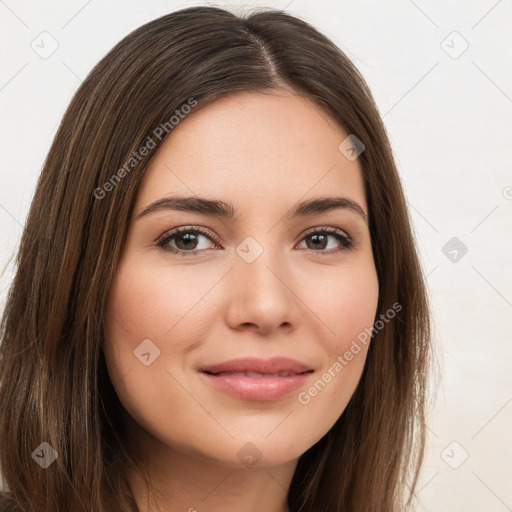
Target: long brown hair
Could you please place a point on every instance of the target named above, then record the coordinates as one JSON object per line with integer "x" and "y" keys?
{"x": 54, "y": 387}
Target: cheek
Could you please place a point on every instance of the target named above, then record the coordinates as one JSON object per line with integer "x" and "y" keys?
{"x": 148, "y": 312}
{"x": 347, "y": 305}
{"x": 156, "y": 310}
{"x": 355, "y": 313}
{"x": 153, "y": 303}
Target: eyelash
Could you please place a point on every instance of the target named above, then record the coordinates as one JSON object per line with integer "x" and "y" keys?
{"x": 346, "y": 242}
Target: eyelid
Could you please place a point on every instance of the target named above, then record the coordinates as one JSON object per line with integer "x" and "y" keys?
{"x": 173, "y": 232}
{"x": 326, "y": 229}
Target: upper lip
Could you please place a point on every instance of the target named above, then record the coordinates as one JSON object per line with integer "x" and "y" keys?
{"x": 253, "y": 364}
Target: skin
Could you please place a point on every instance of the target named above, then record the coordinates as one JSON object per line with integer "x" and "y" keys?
{"x": 263, "y": 153}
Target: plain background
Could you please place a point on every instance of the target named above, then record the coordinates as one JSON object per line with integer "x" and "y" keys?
{"x": 441, "y": 74}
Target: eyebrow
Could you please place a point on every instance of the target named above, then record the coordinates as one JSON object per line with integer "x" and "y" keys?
{"x": 217, "y": 208}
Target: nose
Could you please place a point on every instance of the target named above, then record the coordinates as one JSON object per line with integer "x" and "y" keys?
{"x": 262, "y": 295}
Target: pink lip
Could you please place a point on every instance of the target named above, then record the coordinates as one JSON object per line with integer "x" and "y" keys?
{"x": 258, "y": 388}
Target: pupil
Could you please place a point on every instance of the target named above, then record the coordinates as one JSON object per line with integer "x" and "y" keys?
{"x": 323, "y": 239}
{"x": 189, "y": 238}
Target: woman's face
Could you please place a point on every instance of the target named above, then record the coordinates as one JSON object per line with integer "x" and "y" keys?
{"x": 260, "y": 284}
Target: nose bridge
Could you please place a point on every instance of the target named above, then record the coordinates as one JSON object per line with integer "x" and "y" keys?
{"x": 259, "y": 263}
{"x": 262, "y": 291}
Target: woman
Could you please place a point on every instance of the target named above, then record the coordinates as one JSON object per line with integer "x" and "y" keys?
{"x": 218, "y": 303}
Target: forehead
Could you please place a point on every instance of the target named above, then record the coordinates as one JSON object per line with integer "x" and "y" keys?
{"x": 255, "y": 147}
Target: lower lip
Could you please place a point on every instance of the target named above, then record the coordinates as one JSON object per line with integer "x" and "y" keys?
{"x": 260, "y": 389}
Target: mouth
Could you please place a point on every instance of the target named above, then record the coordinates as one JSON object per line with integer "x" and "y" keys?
{"x": 257, "y": 379}
{"x": 275, "y": 366}
{"x": 256, "y": 375}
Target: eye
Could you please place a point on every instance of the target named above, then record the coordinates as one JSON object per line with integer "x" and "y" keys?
{"x": 319, "y": 240}
{"x": 186, "y": 239}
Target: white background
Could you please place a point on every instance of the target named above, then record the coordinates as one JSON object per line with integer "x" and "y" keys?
{"x": 450, "y": 124}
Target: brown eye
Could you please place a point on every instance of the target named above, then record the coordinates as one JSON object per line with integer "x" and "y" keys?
{"x": 319, "y": 240}
{"x": 186, "y": 240}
